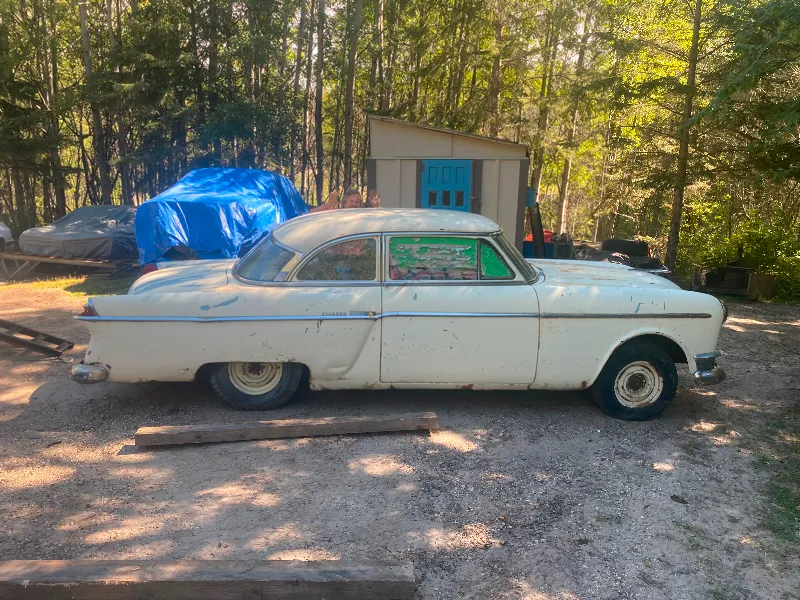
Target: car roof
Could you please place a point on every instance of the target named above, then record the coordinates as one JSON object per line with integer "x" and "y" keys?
{"x": 311, "y": 230}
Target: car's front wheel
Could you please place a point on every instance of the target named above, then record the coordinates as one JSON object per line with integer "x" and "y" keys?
{"x": 637, "y": 382}
{"x": 256, "y": 385}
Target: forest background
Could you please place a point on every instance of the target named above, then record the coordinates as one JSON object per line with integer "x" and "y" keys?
{"x": 674, "y": 121}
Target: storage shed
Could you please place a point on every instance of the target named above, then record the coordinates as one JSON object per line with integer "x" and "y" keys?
{"x": 415, "y": 165}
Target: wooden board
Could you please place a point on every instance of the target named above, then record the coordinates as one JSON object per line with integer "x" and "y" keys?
{"x": 287, "y": 428}
{"x": 79, "y": 262}
{"x": 204, "y": 579}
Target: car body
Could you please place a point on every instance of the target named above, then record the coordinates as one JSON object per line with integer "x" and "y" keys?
{"x": 394, "y": 298}
{"x": 5, "y": 237}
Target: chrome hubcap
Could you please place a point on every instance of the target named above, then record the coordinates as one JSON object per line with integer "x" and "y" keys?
{"x": 638, "y": 385}
{"x": 254, "y": 378}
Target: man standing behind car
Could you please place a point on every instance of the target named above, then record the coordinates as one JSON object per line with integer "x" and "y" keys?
{"x": 352, "y": 199}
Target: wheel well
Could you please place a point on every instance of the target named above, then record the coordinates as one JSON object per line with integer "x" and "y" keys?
{"x": 669, "y": 346}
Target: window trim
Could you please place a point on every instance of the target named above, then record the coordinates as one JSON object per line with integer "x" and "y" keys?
{"x": 296, "y": 256}
{"x": 518, "y": 279}
{"x": 513, "y": 273}
{"x": 520, "y": 264}
{"x": 292, "y": 277}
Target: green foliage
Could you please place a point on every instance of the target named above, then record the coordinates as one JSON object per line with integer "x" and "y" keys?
{"x": 212, "y": 82}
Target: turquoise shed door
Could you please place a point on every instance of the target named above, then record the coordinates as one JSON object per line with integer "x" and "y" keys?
{"x": 447, "y": 184}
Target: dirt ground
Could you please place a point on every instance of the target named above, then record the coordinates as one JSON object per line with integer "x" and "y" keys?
{"x": 520, "y": 495}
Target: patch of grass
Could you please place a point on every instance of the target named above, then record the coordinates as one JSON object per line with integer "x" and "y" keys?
{"x": 696, "y": 537}
{"x": 80, "y": 286}
{"x": 782, "y": 516}
{"x": 722, "y": 593}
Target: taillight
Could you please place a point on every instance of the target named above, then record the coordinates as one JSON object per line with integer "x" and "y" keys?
{"x": 149, "y": 268}
{"x": 88, "y": 310}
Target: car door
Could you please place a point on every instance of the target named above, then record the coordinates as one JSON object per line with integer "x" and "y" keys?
{"x": 455, "y": 311}
{"x": 339, "y": 284}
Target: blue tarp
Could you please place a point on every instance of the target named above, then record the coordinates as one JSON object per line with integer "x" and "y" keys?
{"x": 215, "y": 213}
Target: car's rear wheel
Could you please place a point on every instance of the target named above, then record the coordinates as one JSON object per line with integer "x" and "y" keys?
{"x": 256, "y": 385}
{"x": 638, "y": 382}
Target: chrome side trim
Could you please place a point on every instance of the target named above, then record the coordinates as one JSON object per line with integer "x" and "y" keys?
{"x": 625, "y": 316}
{"x": 459, "y": 314}
{"x": 369, "y": 315}
{"x": 350, "y": 317}
{"x": 353, "y": 316}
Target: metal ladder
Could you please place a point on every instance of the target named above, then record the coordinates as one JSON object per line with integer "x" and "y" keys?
{"x": 18, "y": 335}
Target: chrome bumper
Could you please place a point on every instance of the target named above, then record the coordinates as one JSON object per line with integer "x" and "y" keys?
{"x": 82, "y": 373}
{"x": 708, "y": 373}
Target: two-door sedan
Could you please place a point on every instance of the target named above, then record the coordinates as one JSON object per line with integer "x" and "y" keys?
{"x": 393, "y": 298}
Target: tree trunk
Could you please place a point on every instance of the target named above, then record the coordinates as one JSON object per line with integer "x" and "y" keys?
{"x": 318, "y": 98}
{"x": 494, "y": 82}
{"x": 376, "y": 68}
{"x": 213, "y": 74}
{"x": 287, "y": 6}
{"x": 683, "y": 135}
{"x": 307, "y": 101}
{"x": 97, "y": 124}
{"x": 298, "y": 67}
{"x": 355, "y": 28}
{"x": 563, "y": 205}
{"x": 550, "y": 50}
{"x": 51, "y": 68}
{"x": 122, "y": 134}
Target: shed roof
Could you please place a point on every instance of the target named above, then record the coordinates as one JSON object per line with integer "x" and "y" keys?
{"x": 443, "y": 130}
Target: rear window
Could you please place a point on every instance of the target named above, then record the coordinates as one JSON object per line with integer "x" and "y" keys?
{"x": 264, "y": 262}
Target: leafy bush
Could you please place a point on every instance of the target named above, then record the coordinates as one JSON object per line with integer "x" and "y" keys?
{"x": 710, "y": 237}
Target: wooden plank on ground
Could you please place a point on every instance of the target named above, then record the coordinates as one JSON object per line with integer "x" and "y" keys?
{"x": 78, "y": 262}
{"x": 286, "y": 428}
{"x": 206, "y": 579}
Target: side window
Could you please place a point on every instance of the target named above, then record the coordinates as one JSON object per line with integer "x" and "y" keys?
{"x": 433, "y": 259}
{"x": 264, "y": 262}
{"x": 351, "y": 260}
{"x": 492, "y": 265}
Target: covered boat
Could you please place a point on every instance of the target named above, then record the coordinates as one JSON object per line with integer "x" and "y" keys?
{"x": 99, "y": 232}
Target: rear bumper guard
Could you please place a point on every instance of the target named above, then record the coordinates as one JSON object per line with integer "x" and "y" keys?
{"x": 83, "y": 373}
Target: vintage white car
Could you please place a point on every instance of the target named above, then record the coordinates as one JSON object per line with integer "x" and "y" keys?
{"x": 392, "y": 298}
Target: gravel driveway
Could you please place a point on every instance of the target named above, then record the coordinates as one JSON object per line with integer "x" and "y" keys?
{"x": 520, "y": 495}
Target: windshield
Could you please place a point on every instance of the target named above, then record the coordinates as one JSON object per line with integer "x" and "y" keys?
{"x": 264, "y": 262}
{"x": 525, "y": 268}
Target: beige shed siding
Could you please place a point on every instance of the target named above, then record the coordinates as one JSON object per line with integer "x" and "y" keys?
{"x": 400, "y": 141}
{"x": 408, "y": 183}
{"x": 467, "y": 147}
{"x": 387, "y": 173}
{"x": 397, "y": 182}
{"x": 489, "y": 198}
{"x": 509, "y": 188}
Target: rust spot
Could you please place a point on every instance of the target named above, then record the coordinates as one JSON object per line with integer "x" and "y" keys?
{"x": 584, "y": 385}
{"x": 468, "y": 386}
